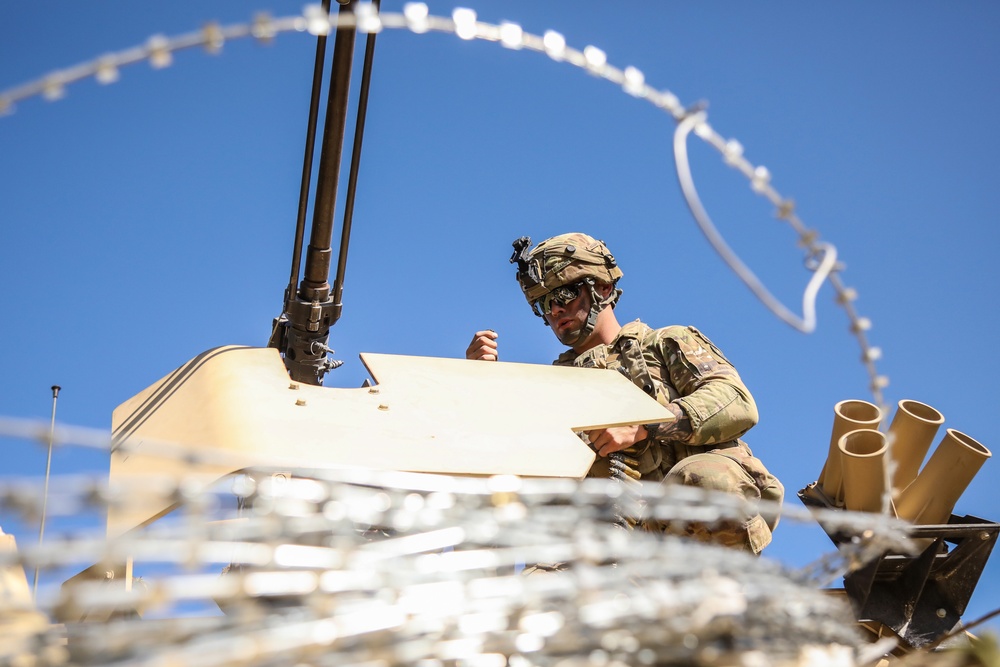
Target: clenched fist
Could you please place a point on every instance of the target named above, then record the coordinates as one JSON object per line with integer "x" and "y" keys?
{"x": 483, "y": 346}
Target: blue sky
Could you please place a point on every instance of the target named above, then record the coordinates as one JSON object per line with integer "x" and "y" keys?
{"x": 149, "y": 220}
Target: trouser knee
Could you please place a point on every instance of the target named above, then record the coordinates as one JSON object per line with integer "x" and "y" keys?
{"x": 714, "y": 472}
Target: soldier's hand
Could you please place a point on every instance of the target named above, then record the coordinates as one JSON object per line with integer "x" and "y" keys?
{"x": 616, "y": 438}
{"x": 483, "y": 346}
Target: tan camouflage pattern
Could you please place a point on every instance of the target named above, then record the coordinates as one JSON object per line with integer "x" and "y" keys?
{"x": 567, "y": 259}
{"x": 685, "y": 371}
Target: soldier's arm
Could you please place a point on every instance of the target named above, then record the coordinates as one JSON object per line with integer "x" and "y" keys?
{"x": 716, "y": 405}
{"x": 676, "y": 430}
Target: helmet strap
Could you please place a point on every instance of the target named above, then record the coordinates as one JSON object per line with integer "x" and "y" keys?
{"x": 597, "y": 304}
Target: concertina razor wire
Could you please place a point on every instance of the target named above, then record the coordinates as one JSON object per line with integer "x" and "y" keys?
{"x": 394, "y": 568}
{"x": 820, "y": 258}
{"x": 76, "y": 494}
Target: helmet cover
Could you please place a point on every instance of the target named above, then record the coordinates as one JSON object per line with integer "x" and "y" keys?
{"x": 562, "y": 260}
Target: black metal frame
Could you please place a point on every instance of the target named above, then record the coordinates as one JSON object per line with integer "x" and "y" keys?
{"x": 920, "y": 598}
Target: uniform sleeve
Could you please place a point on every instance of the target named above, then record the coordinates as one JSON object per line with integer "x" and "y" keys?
{"x": 717, "y": 404}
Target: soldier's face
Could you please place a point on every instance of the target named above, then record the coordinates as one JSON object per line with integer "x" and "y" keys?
{"x": 567, "y": 320}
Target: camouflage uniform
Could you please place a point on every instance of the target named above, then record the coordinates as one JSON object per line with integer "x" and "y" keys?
{"x": 682, "y": 369}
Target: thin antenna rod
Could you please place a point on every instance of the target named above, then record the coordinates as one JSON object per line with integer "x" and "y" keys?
{"x": 315, "y": 282}
{"x": 307, "y": 161}
{"x": 352, "y": 181}
{"x": 359, "y": 133}
{"x": 48, "y": 471}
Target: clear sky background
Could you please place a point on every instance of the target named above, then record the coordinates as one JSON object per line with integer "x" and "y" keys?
{"x": 147, "y": 221}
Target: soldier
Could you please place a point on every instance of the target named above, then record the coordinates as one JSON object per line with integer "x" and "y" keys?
{"x": 571, "y": 281}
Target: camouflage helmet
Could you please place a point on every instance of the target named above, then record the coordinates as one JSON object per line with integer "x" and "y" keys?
{"x": 562, "y": 260}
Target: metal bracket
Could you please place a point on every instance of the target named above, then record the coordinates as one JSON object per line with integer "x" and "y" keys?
{"x": 920, "y": 598}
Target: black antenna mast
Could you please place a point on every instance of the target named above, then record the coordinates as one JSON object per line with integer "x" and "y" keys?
{"x": 312, "y": 306}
